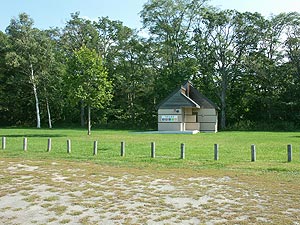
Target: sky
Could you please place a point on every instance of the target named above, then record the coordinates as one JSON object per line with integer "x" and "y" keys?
{"x": 55, "y": 13}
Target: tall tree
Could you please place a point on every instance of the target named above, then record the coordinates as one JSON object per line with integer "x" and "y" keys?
{"x": 3, "y": 49}
{"x": 134, "y": 85}
{"x": 170, "y": 25}
{"x": 88, "y": 80}
{"x": 77, "y": 33}
{"x": 270, "y": 73}
{"x": 51, "y": 78}
{"x": 292, "y": 42}
{"x": 112, "y": 37}
{"x": 128, "y": 67}
{"x": 29, "y": 54}
{"x": 222, "y": 40}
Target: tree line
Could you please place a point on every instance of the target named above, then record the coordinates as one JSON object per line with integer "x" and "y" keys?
{"x": 105, "y": 74}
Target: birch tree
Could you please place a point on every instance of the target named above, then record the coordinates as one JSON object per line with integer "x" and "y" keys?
{"x": 28, "y": 53}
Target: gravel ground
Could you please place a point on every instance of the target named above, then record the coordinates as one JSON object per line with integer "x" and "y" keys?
{"x": 48, "y": 192}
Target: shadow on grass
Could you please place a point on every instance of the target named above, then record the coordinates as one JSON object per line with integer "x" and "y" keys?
{"x": 104, "y": 149}
{"x": 34, "y": 135}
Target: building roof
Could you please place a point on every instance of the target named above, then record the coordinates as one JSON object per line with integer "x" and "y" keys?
{"x": 187, "y": 96}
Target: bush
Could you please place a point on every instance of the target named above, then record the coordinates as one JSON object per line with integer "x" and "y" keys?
{"x": 264, "y": 126}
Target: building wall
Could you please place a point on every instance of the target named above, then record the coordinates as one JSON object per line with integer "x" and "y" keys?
{"x": 208, "y": 119}
{"x": 186, "y": 119}
{"x": 170, "y": 120}
{"x": 170, "y": 127}
{"x": 190, "y": 119}
{"x": 192, "y": 126}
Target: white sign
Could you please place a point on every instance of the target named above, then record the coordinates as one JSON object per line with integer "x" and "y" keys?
{"x": 171, "y": 118}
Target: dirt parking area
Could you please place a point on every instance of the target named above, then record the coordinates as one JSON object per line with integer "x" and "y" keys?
{"x": 62, "y": 192}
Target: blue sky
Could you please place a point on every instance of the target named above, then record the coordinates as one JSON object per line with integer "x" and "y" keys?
{"x": 54, "y": 13}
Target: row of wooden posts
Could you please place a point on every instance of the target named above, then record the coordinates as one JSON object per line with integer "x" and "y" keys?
{"x": 182, "y": 149}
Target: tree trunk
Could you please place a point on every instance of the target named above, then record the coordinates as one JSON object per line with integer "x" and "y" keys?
{"x": 82, "y": 120}
{"x": 38, "y": 119}
{"x": 89, "y": 120}
{"x": 49, "y": 114}
{"x": 223, "y": 114}
{"x": 223, "y": 103}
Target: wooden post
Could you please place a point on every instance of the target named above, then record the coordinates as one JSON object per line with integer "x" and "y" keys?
{"x": 182, "y": 151}
{"x": 216, "y": 152}
{"x": 68, "y": 146}
{"x": 95, "y": 147}
{"x": 3, "y": 143}
{"x": 122, "y": 148}
{"x": 49, "y": 146}
{"x": 289, "y": 152}
{"x": 253, "y": 153}
{"x": 152, "y": 149}
{"x": 25, "y": 144}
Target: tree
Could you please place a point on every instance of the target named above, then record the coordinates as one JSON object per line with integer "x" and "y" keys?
{"x": 272, "y": 73}
{"x": 112, "y": 37}
{"x": 51, "y": 78}
{"x": 3, "y": 71}
{"x": 87, "y": 78}
{"x": 247, "y": 64}
{"x": 29, "y": 54}
{"x": 222, "y": 40}
{"x": 292, "y": 42}
{"x": 77, "y": 33}
{"x": 125, "y": 57}
{"x": 134, "y": 85}
{"x": 170, "y": 24}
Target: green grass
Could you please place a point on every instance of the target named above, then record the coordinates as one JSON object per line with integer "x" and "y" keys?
{"x": 270, "y": 183}
{"x": 234, "y": 148}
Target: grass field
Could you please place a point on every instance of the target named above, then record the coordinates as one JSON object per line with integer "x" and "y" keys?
{"x": 234, "y": 148}
{"x": 79, "y": 188}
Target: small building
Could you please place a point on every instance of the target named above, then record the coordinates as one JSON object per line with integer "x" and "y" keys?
{"x": 186, "y": 109}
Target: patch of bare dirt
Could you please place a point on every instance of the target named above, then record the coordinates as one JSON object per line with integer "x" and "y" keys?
{"x": 45, "y": 192}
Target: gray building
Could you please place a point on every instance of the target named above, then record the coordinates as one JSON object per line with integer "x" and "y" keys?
{"x": 186, "y": 109}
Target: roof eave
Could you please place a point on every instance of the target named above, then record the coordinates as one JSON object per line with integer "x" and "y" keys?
{"x": 191, "y": 100}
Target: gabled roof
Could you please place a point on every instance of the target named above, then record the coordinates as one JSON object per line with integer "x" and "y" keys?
{"x": 187, "y": 96}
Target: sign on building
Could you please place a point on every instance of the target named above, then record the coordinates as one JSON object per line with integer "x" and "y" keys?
{"x": 169, "y": 118}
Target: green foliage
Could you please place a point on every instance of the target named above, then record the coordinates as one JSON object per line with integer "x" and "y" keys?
{"x": 77, "y": 33}
{"x": 87, "y": 78}
{"x": 29, "y": 58}
{"x": 246, "y": 63}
